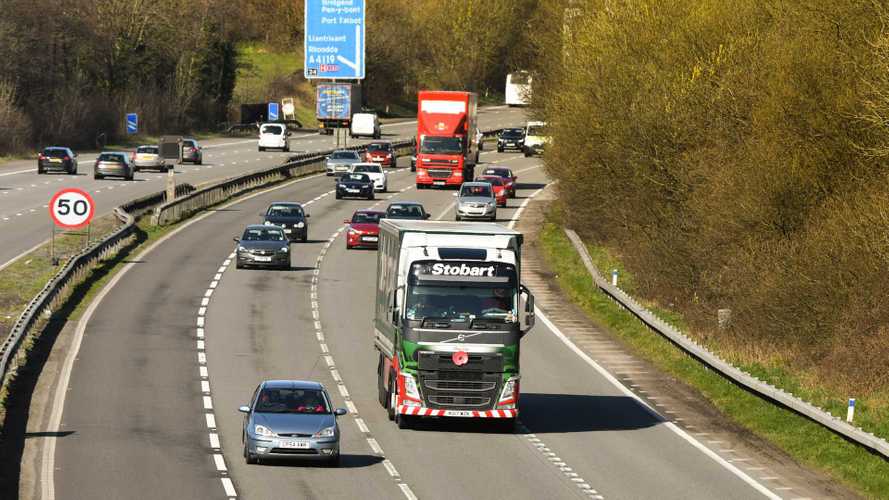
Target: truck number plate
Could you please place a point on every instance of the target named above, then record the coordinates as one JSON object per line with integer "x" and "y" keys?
{"x": 299, "y": 445}
{"x": 458, "y": 413}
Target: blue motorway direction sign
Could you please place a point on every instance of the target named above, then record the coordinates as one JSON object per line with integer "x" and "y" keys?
{"x": 132, "y": 123}
{"x": 273, "y": 112}
{"x": 334, "y": 39}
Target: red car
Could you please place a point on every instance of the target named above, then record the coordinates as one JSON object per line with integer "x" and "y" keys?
{"x": 500, "y": 190}
{"x": 504, "y": 173}
{"x": 380, "y": 152}
{"x": 364, "y": 229}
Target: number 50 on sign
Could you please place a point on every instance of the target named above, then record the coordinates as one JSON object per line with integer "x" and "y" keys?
{"x": 72, "y": 208}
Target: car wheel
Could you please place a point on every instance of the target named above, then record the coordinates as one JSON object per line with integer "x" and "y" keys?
{"x": 339, "y": 196}
{"x": 97, "y": 176}
{"x": 371, "y": 197}
{"x": 261, "y": 149}
{"x": 40, "y": 171}
{"x": 249, "y": 458}
{"x": 457, "y": 218}
{"x": 131, "y": 177}
{"x": 199, "y": 162}
{"x": 499, "y": 150}
{"x": 238, "y": 265}
{"x": 287, "y": 149}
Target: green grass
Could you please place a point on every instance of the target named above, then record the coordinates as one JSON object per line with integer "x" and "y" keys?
{"x": 804, "y": 440}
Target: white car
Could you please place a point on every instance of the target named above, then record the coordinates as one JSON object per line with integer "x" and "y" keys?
{"x": 376, "y": 174}
{"x": 273, "y": 136}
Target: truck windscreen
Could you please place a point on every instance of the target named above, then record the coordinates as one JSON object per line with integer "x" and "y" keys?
{"x": 441, "y": 145}
{"x": 462, "y": 290}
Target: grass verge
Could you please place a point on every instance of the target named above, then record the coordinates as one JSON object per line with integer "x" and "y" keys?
{"x": 805, "y": 441}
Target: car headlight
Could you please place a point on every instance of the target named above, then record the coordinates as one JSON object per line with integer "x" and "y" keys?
{"x": 341, "y": 186}
{"x": 410, "y": 386}
{"x": 241, "y": 249}
{"x": 300, "y": 224}
{"x": 262, "y": 430}
{"x": 325, "y": 432}
{"x": 285, "y": 249}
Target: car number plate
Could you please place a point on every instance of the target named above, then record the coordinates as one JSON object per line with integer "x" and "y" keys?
{"x": 439, "y": 183}
{"x": 353, "y": 190}
{"x": 288, "y": 231}
{"x": 262, "y": 259}
{"x": 299, "y": 445}
{"x": 370, "y": 238}
{"x": 458, "y": 413}
{"x": 55, "y": 160}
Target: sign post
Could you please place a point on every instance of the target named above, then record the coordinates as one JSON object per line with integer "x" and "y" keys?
{"x": 334, "y": 39}
{"x": 70, "y": 208}
{"x": 132, "y": 123}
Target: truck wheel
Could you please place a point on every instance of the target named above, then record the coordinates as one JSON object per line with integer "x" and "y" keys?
{"x": 382, "y": 393}
{"x": 390, "y": 395}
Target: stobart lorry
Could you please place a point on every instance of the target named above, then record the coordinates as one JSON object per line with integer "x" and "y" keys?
{"x": 447, "y": 147}
{"x": 450, "y": 315}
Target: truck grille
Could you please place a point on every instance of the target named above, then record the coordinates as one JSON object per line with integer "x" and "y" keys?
{"x": 461, "y": 401}
{"x": 439, "y": 174}
{"x": 459, "y": 385}
{"x": 474, "y": 385}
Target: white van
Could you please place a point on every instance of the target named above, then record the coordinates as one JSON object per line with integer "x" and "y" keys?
{"x": 273, "y": 136}
{"x": 365, "y": 124}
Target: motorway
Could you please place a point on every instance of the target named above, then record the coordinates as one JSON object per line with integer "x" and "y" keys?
{"x": 24, "y": 195}
{"x": 181, "y": 339}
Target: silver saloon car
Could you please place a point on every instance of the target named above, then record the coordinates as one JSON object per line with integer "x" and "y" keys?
{"x": 341, "y": 161}
{"x": 476, "y": 201}
{"x": 291, "y": 419}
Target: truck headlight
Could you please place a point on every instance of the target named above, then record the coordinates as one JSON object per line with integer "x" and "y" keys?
{"x": 410, "y": 386}
{"x": 508, "y": 394}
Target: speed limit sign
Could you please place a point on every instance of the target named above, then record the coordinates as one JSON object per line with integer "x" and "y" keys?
{"x": 72, "y": 208}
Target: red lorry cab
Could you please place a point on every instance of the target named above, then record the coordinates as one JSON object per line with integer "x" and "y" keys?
{"x": 447, "y": 147}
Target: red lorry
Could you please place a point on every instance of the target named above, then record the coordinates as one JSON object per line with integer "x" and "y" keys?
{"x": 447, "y": 146}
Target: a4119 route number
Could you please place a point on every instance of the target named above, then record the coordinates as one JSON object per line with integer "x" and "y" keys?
{"x": 72, "y": 208}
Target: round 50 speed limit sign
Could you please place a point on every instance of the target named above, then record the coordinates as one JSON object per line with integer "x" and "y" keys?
{"x": 72, "y": 208}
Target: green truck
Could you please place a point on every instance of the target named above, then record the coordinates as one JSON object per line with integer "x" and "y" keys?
{"x": 449, "y": 319}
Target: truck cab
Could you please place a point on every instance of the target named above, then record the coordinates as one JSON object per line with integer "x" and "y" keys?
{"x": 447, "y": 138}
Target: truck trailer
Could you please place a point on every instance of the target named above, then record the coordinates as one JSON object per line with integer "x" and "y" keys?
{"x": 335, "y": 103}
{"x": 449, "y": 318}
{"x": 447, "y": 139}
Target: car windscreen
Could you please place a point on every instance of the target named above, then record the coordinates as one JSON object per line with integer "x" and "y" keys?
{"x": 537, "y": 131}
{"x": 378, "y": 147}
{"x": 356, "y": 177}
{"x": 367, "y": 168}
{"x": 287, "y": 400}
{"x": 404, "y": 212}
{"x": 498, "y": 172}
{"x": 267, "y": 233}
{"x": 366, "y": 218}
{"x": 512, "y": 134}
{"x": 150, "y": 150}
{"x": 110, "y": 157}
{"x": 55, "y": 152}
{"x": 284, "y": 211}
{"x": 483, "y": 191}
{"x": 344, "y": 155}
{"x": 272, "y": 129}
{"x": 441, "y": 145}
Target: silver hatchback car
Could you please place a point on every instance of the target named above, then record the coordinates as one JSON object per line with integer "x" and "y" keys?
{"x": 291, "y": 419}
{"x": 114, "y": 164}
{"x": 476, "y": 201}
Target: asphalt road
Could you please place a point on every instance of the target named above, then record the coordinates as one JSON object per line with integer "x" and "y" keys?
{"x": 24, "y": 195}
{"x": 136, "y": 422}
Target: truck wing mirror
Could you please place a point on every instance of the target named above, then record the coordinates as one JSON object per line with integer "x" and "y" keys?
{"x": 530, "y": 315}
{"x": 393, "y": 306}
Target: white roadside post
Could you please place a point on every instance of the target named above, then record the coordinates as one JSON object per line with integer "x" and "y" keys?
{"x": 614, "y": 277}
{"x": 851, "y": 413}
